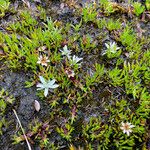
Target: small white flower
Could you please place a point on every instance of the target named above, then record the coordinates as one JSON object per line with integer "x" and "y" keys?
{"x": 75, "y": 60}
{"x": 46, "y": 85}
{"x": 112, "y": 47}
{"x": 127, "y": 127}
{"x": 65, "y": 51}
{"x": 69, "y": 72}
{"x": 42, "y": 48}
{"x": 43, "y": 60}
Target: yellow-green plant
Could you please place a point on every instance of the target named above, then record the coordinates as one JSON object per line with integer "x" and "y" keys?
{"x": 4, "y": 6}
{"x": 116, "y": 76}
{"x": 89, "y": 13}
{"x": 147, "y": 3}
{"x": 113, "y": 25}
{"x": 138, "y": 8}
{"x": 112, "y": 50}
{"x": 96, "y": 76}
{"x": 106, "y": 6}
{"x": 65, "y": 131}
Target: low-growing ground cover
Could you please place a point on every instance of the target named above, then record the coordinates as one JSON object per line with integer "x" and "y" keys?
{"x": 74, "y": 75}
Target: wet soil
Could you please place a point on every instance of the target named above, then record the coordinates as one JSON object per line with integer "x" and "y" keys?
{"x": 14, "y": 83}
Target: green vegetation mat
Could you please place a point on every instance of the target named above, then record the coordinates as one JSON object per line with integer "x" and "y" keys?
{"x": 76, "y": 73}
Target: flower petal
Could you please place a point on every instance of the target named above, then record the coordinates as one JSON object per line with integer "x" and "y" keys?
{"x": 122, "y": 123}
{"x": 73, "y": 57}
{"x": 40, "y": 89}
{"x": 122, "y": 128}
{"x": 128, "y": 123}
{"x": 112, "y": 44}
{"x": 38, "y": 62}
{"x": 124, "y": 131}
{"x": 128, "y": 133}
{"x": 68, "y": 56}
{"x": 42, "y": 80}
{"x": 44, "y": 63}
{"x": 107, "y": 45}
{"x": 78, "y": 59}
{"x": 132, "y": 126}
{"x": 117, "y": 48}
{"x": 65, "y": 48}
{"x": 51, "y": 82}
{"x": 46, "y": 92}
{"x": 40, "y": 85}
{"x": 130, "y": 130}
{"x": 54, "y": 86}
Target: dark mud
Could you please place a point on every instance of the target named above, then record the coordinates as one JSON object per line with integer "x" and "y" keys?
{"x": 14, "y": 84}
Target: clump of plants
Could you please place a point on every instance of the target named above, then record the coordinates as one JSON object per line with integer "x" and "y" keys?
{"x": 112, "y": 50}
{"x": 4, "y": 6}
{"x": 89, "y": 13}
{"x": 147, "y": 3}
{"x": 138, "y": 8}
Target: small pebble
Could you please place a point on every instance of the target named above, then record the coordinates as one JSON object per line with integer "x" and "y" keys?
{"x": 37, "y": 105}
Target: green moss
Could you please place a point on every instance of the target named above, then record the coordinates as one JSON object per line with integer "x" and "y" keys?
{"x": 4, "y": 6}
{"x": 104, "y": 90}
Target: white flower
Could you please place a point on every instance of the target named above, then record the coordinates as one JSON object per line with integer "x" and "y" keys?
{"x": 46, "y": 85}
{"x": 65, "y": 51}
{"x": 127, "y": 127}
{"x": 75, "y": 60}
{"x": 112, "y": 47}
{"x": 69, "y": 72}
{"x": 42, "y": 48}
{"x": 43, "y": 60}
